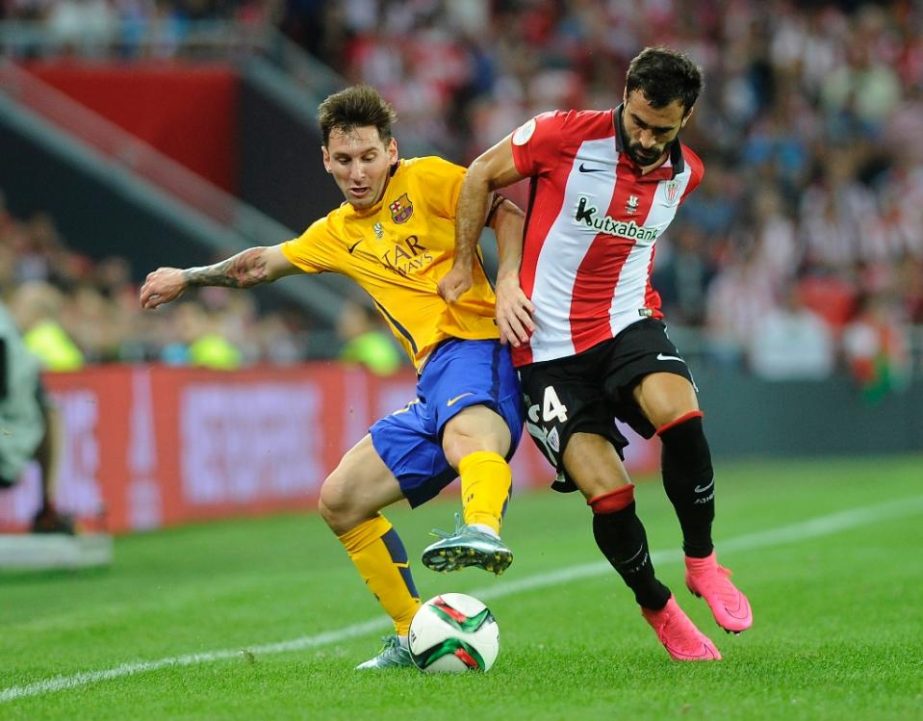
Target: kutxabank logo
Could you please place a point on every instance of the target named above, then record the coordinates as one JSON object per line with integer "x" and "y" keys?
{"x": 588, "y": 215}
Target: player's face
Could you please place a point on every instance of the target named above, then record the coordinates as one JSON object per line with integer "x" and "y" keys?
{"x": 360, "y": 163}
{"x": 650, "y": 130}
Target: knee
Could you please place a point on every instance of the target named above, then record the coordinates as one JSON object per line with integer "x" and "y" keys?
{"x": 335, "y": 505}
{"x": 469, "y": 433}
{"x": 456, "y": 445}
{"x": 594, "y": 465}
{"x": 665, "y": 398}
{"x": 594, "y": 486}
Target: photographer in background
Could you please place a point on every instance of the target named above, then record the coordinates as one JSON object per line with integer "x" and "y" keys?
{"x": 29, "y": 425}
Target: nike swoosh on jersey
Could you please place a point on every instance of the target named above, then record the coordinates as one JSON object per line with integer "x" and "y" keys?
{"x": 456, "y": 399}
{"x": 352, "y": 247}
{"x": 584, "y": 169}
{"x": 661, "y": 356}
{"x": 702, "y": 489}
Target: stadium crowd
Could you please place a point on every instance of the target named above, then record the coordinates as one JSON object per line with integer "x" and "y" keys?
{"x": 809, "y": 223}
{"x": 74, "y": 310}
{"x": 811, "y": 214}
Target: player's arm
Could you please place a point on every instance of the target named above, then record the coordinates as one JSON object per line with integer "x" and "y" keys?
{"x": 514, "y": 310}
{"x": 491, "y": 170}
{"x": 248, "y": 268}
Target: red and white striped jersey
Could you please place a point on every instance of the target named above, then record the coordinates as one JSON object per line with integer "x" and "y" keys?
{"x": 591, "y": 226}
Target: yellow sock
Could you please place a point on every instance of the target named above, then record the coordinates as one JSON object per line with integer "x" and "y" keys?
{"x": 486, "y": 480}
{"x": 379, "y": 556}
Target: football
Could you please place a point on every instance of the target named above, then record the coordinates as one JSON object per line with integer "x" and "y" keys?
{"x": 453, "y": 633}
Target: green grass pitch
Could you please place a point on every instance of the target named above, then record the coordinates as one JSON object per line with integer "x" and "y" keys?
{"x": 265, "y": 619}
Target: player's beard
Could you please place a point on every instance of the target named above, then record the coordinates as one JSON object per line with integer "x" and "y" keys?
{"x": 644, "y": 157}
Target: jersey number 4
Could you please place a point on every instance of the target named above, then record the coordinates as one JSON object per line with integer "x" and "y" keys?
{"x": 552, "y": 408}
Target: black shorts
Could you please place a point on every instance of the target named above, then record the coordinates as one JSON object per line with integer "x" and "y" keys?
{"x": 588, "y": 391}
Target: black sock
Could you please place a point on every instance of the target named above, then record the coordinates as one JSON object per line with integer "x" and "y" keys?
{"x": 621, "y": 537}
{"x": 689, "y": 482}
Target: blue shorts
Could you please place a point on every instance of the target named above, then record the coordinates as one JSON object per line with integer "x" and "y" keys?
{"x": 459, "y": 374}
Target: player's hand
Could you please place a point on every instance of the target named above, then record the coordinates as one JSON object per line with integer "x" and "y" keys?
{"x": 161, "y": 286}
{"x": 514, "y": 312}
{"x": 454, "y": 283}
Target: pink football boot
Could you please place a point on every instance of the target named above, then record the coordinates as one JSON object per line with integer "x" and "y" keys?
{"x": 705, "y": 578}
{"x": 678, "y": 634}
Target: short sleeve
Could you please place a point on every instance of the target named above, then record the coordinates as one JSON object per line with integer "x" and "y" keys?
{"x": 537, "y": 142}
{"x": 311, "y": 252}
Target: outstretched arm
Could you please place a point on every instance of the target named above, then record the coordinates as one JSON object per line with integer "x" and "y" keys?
{"x": 248, "y": 268}
{"x": 491, "y": 170}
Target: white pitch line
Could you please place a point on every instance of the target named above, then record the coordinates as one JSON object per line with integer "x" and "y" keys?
{"x": 812, "y": 528}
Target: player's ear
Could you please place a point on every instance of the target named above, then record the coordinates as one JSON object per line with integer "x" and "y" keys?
{"x": 326, "y": 156}
{"x": 392, "y": 151}
{"x": 687, "y": 116}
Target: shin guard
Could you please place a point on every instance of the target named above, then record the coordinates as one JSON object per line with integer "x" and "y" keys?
{"x": 379, "y": 555}
{"x": 486, "y": 480}
{"x": 620, "y": 536}
{"x": 689, "y": 481}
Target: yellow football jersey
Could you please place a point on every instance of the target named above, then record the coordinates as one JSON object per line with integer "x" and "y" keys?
{"x": 397, "y": 251}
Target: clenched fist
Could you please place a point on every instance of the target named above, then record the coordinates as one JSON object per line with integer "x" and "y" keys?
{"x": 455, "y": 282}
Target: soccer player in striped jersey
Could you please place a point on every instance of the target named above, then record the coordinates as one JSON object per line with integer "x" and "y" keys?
{"x": 587, "y": 329}
{"x": 395, "y": 237}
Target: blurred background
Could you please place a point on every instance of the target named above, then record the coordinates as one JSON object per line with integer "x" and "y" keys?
{"x": 139, "y": 133}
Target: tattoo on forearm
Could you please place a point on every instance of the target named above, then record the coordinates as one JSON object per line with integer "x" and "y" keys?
{"x": 246, "y": 269}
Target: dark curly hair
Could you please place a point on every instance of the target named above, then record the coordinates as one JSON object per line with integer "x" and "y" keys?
{"x": 665, "y": 75}
{"x": 356, "y": 107}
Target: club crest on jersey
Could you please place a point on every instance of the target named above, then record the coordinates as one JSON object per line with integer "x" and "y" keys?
{"x": 379, "y": 230}
{"x": 632, "y": 205}
{"x": 401, "y": 209}
{"x": 671, "y": 190}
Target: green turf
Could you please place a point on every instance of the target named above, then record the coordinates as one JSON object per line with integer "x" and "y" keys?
{"x": 838, "y": 632}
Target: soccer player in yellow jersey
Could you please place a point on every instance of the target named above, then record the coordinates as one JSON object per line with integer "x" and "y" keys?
{"x": 395, "y": 236}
